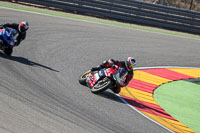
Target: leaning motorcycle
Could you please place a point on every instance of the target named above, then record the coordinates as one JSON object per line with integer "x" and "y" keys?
{"x": 8, "y": 35}
{"x": 99, "y": 81}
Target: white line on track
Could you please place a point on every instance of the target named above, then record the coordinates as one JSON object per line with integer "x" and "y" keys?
{"x": 143, "y": 114}
{"x": 139, "y": 68}
{"x": 96, "y": 23}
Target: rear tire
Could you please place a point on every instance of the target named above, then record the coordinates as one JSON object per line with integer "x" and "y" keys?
{"x": 82, "y": 78}
{"x": 8, "y": 51}
{"x": 98, "y": 88}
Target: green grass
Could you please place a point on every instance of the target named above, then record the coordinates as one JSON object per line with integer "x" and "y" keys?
{"x": 181, "y": 99}
{"x": 92, "y": 19}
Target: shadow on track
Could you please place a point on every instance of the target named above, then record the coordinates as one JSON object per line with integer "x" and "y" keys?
{"x": 138, "y": 104}
{"x": 142, "y": 106}
{"x": 25, "y": 61}
{"x": 111, "y": 96}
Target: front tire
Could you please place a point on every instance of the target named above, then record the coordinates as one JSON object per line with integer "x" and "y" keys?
{"x": 8, "y": 51}
{"x": 82, "y": 78}
{"x": 101, "y": 86}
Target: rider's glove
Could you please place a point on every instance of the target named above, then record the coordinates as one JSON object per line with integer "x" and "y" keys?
{"x": 4, "y": 26}
{"x": 16, "y": 43}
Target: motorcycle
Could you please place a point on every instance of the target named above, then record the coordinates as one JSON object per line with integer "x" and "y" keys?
{"x": 99, "y": 81}
{"x": 9, "y": 35}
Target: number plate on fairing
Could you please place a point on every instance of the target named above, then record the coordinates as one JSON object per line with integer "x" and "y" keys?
{"x": 93, "y": 79}
{"x": 96, "y": 75}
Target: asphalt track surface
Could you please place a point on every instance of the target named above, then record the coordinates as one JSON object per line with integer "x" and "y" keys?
{"x": 39, "y": 89}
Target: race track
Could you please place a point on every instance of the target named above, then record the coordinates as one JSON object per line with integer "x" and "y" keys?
{"x": 39, "y": 89}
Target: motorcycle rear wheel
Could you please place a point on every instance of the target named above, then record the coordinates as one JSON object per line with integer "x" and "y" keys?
{"x": 82, "y": 78}
{"x": 101, "y": 86}
{"x": 8, "y": 51}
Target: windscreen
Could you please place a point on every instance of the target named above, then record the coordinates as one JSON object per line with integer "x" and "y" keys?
{"x": 121, "y": 76}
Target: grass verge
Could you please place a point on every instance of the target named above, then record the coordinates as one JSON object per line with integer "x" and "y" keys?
{"x": 181, "y": 100}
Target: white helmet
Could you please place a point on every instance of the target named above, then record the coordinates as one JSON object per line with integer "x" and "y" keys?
{"x": 130, "y": 63}
{"x": 23, "y": 27}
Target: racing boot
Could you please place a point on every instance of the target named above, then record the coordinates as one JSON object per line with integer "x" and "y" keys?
{"x": 116, "y": 89}
{"x": 97, "y": 68}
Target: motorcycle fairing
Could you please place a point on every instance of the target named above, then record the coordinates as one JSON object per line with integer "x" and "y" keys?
{"x": 9, "y": 35}
{"x": 93, "y": 78}
{"x": 120, "y": 76}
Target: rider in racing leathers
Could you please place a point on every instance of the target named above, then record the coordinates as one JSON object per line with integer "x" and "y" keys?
{"x": 21, "y": 28}
{"x": 129, "y": 64}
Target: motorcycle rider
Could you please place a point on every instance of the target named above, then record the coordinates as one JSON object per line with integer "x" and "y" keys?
{"x": 21, "y": 28}
{"x": 129, "y": 64}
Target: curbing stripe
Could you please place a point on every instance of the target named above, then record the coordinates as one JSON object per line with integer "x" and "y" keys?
{"x": 167, "y": 73}
{"x": 171, "y": 126}
{"x": 144, "y": 114}
{"x": 148, "y": 107}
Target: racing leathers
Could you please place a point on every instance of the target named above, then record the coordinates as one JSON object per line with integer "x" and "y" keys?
{"x": 111, "y": 63}
{"x": 21, "y": 36}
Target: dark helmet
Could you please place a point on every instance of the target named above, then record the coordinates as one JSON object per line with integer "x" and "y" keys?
{"x": 130, "y": 63}
{"x": 23, "y": 27}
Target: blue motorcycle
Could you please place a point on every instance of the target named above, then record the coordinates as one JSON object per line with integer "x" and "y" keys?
{"x": 7, "y": 40}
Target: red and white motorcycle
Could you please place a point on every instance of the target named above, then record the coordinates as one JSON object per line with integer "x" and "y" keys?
{"x": 99, "y": 81}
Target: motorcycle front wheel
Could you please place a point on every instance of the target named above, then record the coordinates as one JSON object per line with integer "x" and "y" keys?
{"x": 101, "y": 86}
{"x": 82, "y": 78}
